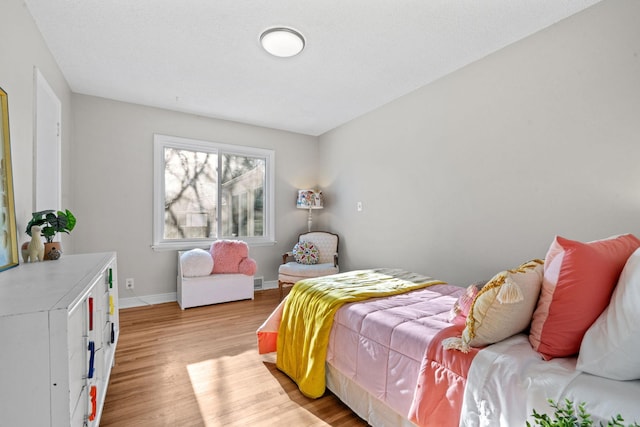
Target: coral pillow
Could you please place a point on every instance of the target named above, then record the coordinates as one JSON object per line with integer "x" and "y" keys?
{"x": 502, "y": 308}
{"x": 196, "y": 263}
{"x": 578, "y": 281}
{"x": 306, "y": 253}
{"x": 611, "y": 345}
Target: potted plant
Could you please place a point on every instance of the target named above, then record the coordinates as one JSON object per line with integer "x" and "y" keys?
{"x": 52, "y": 223}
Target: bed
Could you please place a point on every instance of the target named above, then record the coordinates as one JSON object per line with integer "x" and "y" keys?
{"x": 444, "y": 355}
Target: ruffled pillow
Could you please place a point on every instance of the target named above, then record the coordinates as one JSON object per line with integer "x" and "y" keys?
{"x": 502, "y": 308}
{"x": 306, "y": 253}
{"x": 460, "y": 310}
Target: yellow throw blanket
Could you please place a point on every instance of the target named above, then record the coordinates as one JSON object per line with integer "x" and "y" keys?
{"x": 307, "y": 318}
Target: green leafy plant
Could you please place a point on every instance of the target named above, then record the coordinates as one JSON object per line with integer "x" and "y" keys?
{"x": 52, "y": 222}
{"x": 569, "y": 415}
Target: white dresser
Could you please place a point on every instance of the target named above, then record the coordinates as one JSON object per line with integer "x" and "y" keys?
{"x": 58, "y": 334}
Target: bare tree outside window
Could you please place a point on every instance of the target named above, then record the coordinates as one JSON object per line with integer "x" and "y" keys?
{"x": 190, "y": 194}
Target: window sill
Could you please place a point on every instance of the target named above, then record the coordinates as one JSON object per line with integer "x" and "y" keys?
{"x": 181, "y": 246}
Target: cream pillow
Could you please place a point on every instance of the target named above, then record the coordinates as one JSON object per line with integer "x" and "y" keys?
{"x": 611, "y": 345}
{"x": 502, "y": 308}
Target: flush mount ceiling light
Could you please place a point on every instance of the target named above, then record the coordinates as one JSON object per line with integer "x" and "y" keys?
{"x": 282, "y": 41}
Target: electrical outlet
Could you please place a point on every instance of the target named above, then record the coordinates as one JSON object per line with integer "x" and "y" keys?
{"x": 129, "y": 283}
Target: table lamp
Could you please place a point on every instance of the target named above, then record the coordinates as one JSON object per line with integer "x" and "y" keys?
{"x": 310, "y": 199}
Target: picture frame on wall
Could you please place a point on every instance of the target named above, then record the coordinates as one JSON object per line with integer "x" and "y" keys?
{"x": 8, "y": 233}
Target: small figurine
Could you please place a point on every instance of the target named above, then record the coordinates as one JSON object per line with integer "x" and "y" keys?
{"x": 53, "y": 254}
{"x": 35, "y": 249}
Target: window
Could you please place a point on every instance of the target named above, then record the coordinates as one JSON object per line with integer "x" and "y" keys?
{"x": 205, "y": 191}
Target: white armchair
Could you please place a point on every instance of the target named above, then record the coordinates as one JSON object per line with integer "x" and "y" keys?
{"x": 290, "y": 272}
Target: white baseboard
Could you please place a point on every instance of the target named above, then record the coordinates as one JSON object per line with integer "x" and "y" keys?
{"x": 271, "y": 284}
{"x": 136, "y": 301}
{"x": 139, "y": 301}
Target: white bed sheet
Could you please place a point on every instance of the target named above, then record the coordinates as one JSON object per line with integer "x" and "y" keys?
{"x": 509, "y": 379}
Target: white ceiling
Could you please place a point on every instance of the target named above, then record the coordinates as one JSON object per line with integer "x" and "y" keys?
{"x": 204, "y": 56}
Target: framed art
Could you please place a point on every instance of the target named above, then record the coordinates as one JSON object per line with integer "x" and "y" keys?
{"x": 8, "y": 233}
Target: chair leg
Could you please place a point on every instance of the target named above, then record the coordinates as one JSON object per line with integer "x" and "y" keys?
{"x": 281, "y": 288}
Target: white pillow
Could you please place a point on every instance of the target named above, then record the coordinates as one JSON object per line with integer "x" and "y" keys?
{"x": 196, "y": 262}
{"x": 611, "y": 346}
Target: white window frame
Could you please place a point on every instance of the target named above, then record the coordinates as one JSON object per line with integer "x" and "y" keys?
{"x": 160, "y": 142}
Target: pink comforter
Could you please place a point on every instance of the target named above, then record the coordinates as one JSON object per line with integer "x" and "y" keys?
{"x": 398, "y": 340}
{"x": 391, "y": 348}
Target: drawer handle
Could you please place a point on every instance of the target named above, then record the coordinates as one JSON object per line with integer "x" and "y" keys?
{"x": 91, "y": 313}
{"x": 94, "y": 402}
{"x": 92, "y": 350}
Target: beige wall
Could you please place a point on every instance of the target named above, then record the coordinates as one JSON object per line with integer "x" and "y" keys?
{"x": 113, "y": 184}
{"x": 21, "y": 49}
{"x": 478, "y": 171}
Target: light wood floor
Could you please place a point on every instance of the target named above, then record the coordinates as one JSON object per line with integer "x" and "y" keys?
{"x": 201, "y": 367}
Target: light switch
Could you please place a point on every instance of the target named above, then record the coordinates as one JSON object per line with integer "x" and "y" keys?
{"x": 359, "y": 206}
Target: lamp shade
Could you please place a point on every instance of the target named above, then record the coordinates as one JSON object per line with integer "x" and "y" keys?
{"x": 310, "y": 199}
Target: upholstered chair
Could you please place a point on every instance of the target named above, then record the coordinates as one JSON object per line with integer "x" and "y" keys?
{"x": 309, "y": 262}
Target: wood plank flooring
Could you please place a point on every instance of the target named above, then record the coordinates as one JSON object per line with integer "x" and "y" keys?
{"x": 201, "y": 367}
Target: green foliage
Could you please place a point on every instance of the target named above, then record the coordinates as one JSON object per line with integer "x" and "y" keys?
{"x": 52, "y": 222}
{"x": 568, "y": 415}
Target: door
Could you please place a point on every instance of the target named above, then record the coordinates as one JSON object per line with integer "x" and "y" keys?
{"x": 47, "y": 143}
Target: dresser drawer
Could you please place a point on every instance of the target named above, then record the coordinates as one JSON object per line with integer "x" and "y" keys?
{"x": 77, "y": 336}
{"x": 79, "y": 411}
